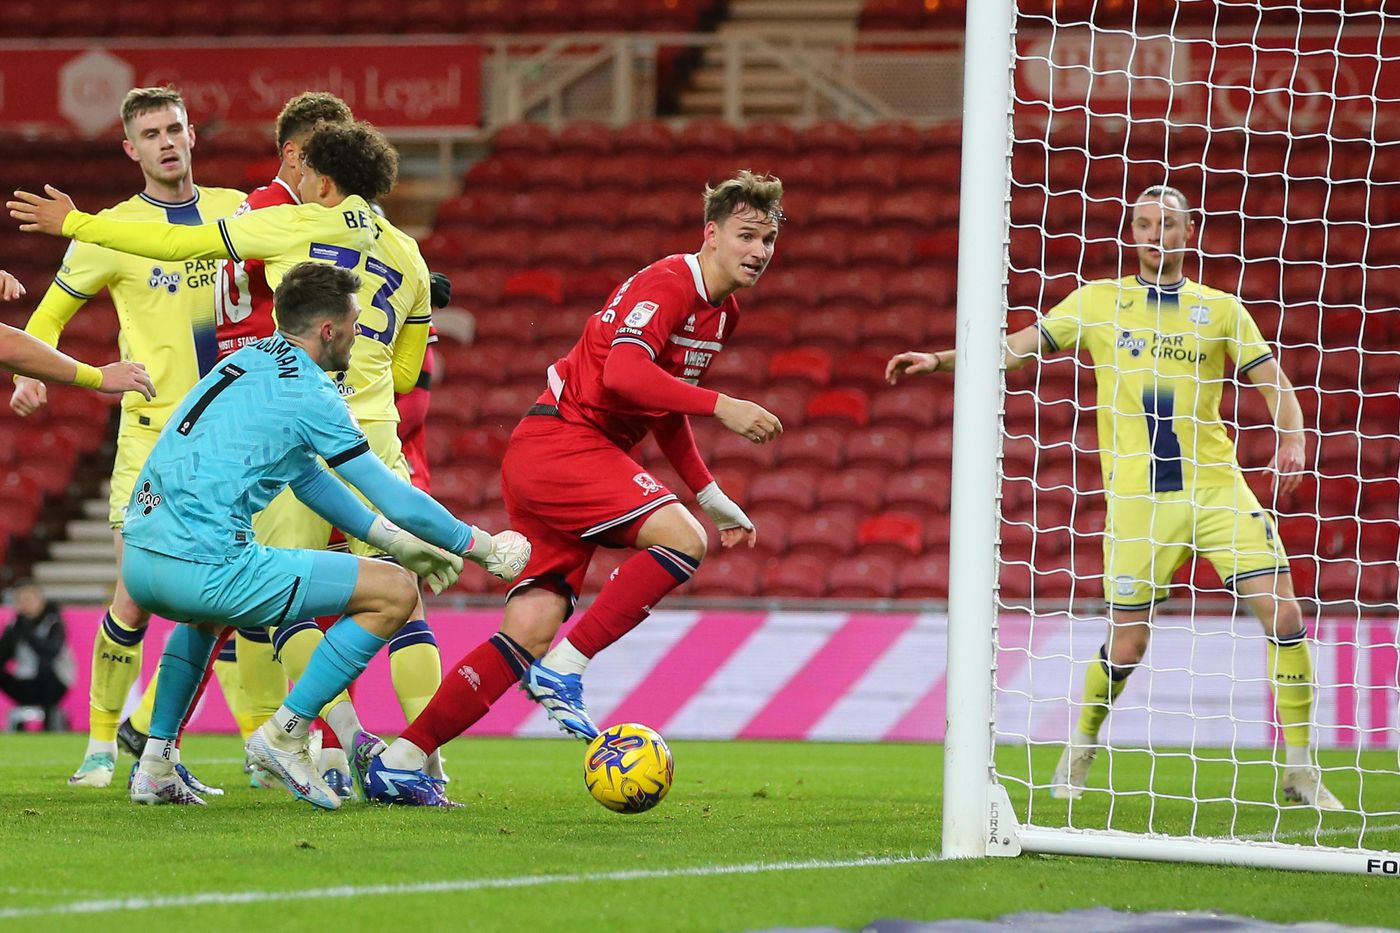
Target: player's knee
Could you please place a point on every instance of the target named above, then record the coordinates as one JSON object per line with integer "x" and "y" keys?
{"x": 687, "y": 536}
{"x": 400, "y": 593}
{"x": 1288, "y": 618}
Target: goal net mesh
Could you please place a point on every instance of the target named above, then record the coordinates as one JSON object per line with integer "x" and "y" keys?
{"x": 1280, "y": 123}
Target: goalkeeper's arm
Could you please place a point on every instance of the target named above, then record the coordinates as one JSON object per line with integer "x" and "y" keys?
{"x": 403, "y": 505}
{"x": 1021, "y": 347}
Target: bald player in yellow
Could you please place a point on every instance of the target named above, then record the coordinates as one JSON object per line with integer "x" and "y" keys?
{"x": 1159, "y": 343}
{"x": 344, "y": 166}
{"x": 166, "y": 312}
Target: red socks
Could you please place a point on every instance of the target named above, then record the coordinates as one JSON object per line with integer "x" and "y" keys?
{"x": 625, "y": 600}
{"x": 468, "y": 690}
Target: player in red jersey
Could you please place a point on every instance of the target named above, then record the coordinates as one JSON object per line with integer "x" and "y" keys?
{"x": 413, "y": 405}
{"x": 571, "y": 485}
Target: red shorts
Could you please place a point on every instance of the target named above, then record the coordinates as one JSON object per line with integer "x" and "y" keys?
{"x": 569, "y": 489}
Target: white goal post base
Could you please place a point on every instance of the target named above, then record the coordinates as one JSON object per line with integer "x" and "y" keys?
{"x": 1006, "y": 838}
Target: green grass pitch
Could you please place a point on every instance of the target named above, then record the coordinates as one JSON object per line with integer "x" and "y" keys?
{"x": 753, "y": 835}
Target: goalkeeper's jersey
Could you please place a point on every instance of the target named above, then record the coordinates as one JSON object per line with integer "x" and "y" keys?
{"x": 1159, "y": 360}
{"x": 165, "y": 309}
{"x": 395, "y": 312}
{"x": 252, "y": 426}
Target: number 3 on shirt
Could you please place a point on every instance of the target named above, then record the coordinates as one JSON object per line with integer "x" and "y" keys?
{"x": 393, "y": 278}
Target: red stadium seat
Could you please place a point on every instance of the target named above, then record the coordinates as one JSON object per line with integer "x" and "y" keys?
{"x": 646, "y": 136}
{"x": 625, "y": 171}
{"x": 796, "y": 577}
{"x": 905, "y": 532}
{"x": 738, "y": 452}
{"x": 742, "y": 365}
{"x": 887, "y": 248}
{"x": 480, "y": 445}
{"x": 523, "y": 137}
{"x": 934, "y": 285}
{"x": 862, "y": 578}
{"x": 877, "y": 171}
{"x": 879, "y": 447}
{"x": 862, "y": 489}
{"x": 841, "y": 138}
{"x": 708, "y": 136}
{"x": 862, "y": 368}
{"x": 921, "y": 492}
{"x": 832, "y": 327}
{"x": 547, "y": 284}
{"x": 770, "y": 141}
{"x": 802, "y": 365}
{"x": 827, "y": 247}
{"x": 789, "y": 403}
{"x": 892, "y": 137}
{"x": 506, "y": 405}
{"x": 905, "y": 323}
{"x": 456, "y": 402}
{"x": 842, "y": 407}
{"x": 731, "y": 574}
{"x": 910, "y": 407}
{"x": 859, "y": 285}
{"x": 815, "y": 446}
{"x": 787, "y": 488}
{"x": 924, "y": 578}
{"x": 823, "y": 533}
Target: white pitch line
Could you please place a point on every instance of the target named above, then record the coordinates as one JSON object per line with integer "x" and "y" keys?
{"x": 436, "y": 887}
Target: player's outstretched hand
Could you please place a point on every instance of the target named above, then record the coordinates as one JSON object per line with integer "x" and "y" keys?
{"x": 734, "y": 526}
{"x": 503, "y": 554}
{"x": 121, "y": 377}
{"x": 39, "y": 214}
{"x": 29, "y": 396}
{"x": 751, "y": 420}
{"x": 911, "y": 364}
{"x": 10, "y": 288}
{"x": 1288, "y": 464}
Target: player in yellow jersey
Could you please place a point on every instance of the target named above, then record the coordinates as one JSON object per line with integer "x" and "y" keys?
{"x": 166, "y": 311}
{"x": 344, "y": 166}
{"x": 1174, "y": 488}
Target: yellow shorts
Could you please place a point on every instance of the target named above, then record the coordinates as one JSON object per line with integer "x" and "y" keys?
{"x": 286, "y": 522}
{"x": 134, "y": 444}
{"x": 1147, "y": 539}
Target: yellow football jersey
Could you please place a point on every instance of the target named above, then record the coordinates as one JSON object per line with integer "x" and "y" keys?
{"x": 165, "y": 309}
{"x": 394, "y": 296}
{"x": 1159, "y": 360}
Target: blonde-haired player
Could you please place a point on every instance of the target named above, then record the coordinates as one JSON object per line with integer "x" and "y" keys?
{"x": 166, "y": 311}
{"x": 1159, "y": 341}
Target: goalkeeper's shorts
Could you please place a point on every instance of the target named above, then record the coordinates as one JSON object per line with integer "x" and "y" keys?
{"x": 262, "y": 586}
{"x": 570, "y": 489}
{"x": 287, "y": 523}
{"x": 1148, "y": 538}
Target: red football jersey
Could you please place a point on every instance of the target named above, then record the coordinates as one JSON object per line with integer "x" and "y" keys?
{"x": 663, "y": 309}
{"x": 242, "y": 299}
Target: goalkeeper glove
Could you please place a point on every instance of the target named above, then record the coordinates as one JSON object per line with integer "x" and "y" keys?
{"x": 440, "y": 288}
{"x": 503, "y": 554}
{"x": 436, "y": 566}
{"x": 721, "y": 509}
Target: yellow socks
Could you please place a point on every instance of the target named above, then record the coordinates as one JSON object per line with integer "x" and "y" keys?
{"x": 261, "y": 679}
{"x": 1103, "y": 683}
{"x": 415, "y": 667}
{"x": 295, "y": 642}
{"x": 116, "y": 662}
{"x": 1291, "y": 676}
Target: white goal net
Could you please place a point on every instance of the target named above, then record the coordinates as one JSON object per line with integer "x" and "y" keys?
{"x": 1279, "y": 125}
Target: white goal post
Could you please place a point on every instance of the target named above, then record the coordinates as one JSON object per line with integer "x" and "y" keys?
{"x": 1191, "y": 773}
